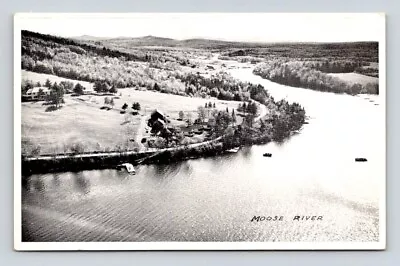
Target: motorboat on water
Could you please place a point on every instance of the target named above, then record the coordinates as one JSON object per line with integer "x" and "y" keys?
{"x": 234, "y": 150}
{"x": 361, "y": 160}
{"x": 267, "y": 154}
{"x": 128, "y": 167}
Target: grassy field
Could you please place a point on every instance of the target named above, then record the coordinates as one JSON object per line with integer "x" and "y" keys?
{"x": 40, "y": 77}
{"x": 81, "y": 121}
{"x": 353, "y": 78}
{"x": 74, "y": 123}
{"x": 170, "y": 104}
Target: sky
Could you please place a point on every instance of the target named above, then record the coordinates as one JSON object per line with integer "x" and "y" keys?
{"x": 248, "y": 27}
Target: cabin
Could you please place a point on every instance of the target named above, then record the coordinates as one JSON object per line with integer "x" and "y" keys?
{"x": 88, "y": 90}
{"x": 36, "y": 94}
{"x": 157, "y": 126}
{"x": 157, "y": 114}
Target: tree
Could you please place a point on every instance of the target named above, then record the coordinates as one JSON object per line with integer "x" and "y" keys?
{"x": 113, "y": 89}
{"x": 77, "y": 148}
{"x": 40, "y": 94}
{"x": 78, "y": 89}
{"x": 222, "y": 121}
{"x": 252, "y": 108}
{"x": 244, "y": 108}
{"x": 209, "y": 105}
{"x": 262, "y": 125}
{"x": 248, "y": 120}
{"x": 124, "y": 106}
{"x": 68, "y": 86}
{"x": 233, "y": 116}
{"x": 38, "y": 84}
{"x": 25, "y": 86}
{"x": 189, "y": 118}
{"x": 101, "y": 86}
{"x": 211, "y": 122}
{"x": 227, "y": 110}
{"x": 56, "y": 96}
{"x": 213, "y": 105}
{"x": 35, "y": 151}
{"x": 202, "y": 113}
{"x": 156, "y": 87}
{"x": 136, "y": 106}
{"x": 98, "y": 87}
{"x": 181, "y": 115}
{"x": 47, "y": 83}
{"x": 205, "y": 106}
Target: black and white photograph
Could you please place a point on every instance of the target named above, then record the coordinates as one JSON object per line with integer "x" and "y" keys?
{"x": 199, "y": 131}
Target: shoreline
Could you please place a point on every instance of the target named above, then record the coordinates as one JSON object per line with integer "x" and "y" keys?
{"x": 95, "y": 161}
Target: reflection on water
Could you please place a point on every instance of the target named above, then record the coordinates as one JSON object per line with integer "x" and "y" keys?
{"x": 214, "y": 199}
{"x": 82, "y": 182}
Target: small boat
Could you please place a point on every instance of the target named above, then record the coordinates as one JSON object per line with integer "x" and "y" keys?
{"x": 129, "y": 167}
{"x": 360, "y": 159}
{"x": 267, "y": 154}
{"x": 233, "y": 150}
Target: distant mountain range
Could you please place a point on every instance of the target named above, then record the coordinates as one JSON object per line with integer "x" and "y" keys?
{"x": 199, "y": 43}
{"x": 168, "y": 42}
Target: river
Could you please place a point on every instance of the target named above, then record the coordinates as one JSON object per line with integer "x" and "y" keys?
{"x": 215, "y": 199}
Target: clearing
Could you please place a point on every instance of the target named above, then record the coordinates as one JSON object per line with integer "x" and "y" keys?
{"x": 75, "y": 123}
{"x": 170, "y": 104}
{"x": 40, "y": 77}
{"x": 81, "y": 121}
{"x": 353, "y": 78}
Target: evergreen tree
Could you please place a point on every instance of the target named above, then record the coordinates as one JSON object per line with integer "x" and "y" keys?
{"x": 47, "y": 83}
{"x": 78, "y": 89}
{"x": 113, "y": 89}
{"x": 56, "y": 96}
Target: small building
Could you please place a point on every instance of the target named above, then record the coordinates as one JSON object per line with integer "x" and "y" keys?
{"x": 36, "y": 94}
{"x": 157, "y": 114}
{"x": 88, "y": 89}
{"x": 157, "y": 126}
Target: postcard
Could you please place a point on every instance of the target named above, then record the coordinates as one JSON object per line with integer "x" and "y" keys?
{"x": 199, "y": 131}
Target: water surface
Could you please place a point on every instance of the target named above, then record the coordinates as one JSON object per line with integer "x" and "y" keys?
{"x": 214, "y": 199}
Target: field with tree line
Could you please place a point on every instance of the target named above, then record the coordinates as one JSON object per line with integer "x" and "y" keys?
{"x": 300, "y": 74}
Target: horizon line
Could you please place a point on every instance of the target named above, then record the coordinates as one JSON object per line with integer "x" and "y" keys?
{"x": 200, "y": 38}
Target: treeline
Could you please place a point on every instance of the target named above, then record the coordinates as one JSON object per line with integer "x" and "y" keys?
{"x": 298, "y": 74}
{"x": 357, "y": 51}
{"x": 79, "y": 47}
{"x": 222, "y": 86}
{"x": 70, "y": 59}
{"x": 283, "y": 117}
{"x": 336, "y": 66}
{"x": 368, "y": 71}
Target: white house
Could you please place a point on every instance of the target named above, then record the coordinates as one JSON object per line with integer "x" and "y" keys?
{"x": 37, "y": 93}
{"x": 88, "y": 89}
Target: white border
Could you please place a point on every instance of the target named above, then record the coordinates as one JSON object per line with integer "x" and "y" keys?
{"x": 37, "y": 246}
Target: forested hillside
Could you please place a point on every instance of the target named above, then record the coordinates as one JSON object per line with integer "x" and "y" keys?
{"x": 311, "y": 76}
{"x": 153, "y": 70}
